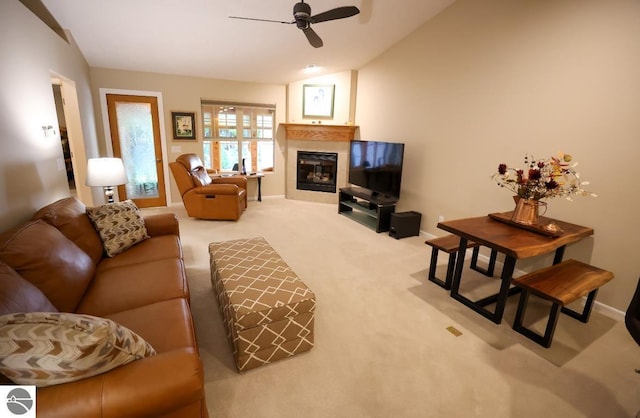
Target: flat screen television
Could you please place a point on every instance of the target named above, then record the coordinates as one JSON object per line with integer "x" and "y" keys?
{"x": 376, "y": 166}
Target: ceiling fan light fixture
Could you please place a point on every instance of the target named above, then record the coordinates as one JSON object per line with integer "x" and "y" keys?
{"x": 303, "y": 19}
{"x": 301, "y": 14}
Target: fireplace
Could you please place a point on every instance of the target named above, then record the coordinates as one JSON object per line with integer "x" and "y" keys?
{"x": 316, "y": 171}
{"x": 320, "y": 139}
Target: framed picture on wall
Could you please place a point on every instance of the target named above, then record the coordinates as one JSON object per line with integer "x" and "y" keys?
{"x": 184, "y": 125}
{"x": 317, "y": 100}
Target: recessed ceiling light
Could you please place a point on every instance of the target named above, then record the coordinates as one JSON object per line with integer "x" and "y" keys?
{"x": 311, "y": 68}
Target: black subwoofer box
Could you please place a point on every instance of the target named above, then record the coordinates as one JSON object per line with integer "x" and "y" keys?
{"x": 405, "y": 224}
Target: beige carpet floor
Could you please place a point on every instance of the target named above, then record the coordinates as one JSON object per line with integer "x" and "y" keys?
{"x": 382, "y": 345}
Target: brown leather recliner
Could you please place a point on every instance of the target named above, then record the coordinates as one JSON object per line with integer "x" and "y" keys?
{"x": 207, "y": 198}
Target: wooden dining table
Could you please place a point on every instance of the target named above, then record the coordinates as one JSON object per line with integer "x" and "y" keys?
{"x": 497, "y": 232}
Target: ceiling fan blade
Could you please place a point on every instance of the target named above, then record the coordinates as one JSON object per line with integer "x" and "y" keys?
{"x": 261, "y": 20}
{"x": 333, "y": 14}
{"x": 313, "y": 37}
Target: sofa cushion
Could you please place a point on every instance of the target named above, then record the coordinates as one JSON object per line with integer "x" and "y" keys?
{"x": 45, "y": 349}
{"x": 121, "y": 288}
{"x": 155, "y": 248}
{"x": 119, "y": 224}
{"x": 166, "y": 325}
{"x": 18, "y": 295}
{"x": 40, "y": 253}
{"x": 70, "y": 217}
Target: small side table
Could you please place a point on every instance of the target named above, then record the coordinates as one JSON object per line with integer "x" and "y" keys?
{"x": 258, "y": 176}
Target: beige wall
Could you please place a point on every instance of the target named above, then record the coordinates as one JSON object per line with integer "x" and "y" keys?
{"x": 486, "y": 82}
{"x": 184, "y": 94}
{"x": 344, "y": 83}
{"x": 30, "y": 163}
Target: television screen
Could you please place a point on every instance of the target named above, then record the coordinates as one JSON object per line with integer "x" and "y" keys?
{"x": 376, "y": 166}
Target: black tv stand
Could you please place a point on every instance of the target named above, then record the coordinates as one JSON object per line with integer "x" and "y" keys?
{"x": 371, "y": 209}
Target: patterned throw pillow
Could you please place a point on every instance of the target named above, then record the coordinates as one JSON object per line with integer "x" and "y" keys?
{"x": 120, "y": 226}
{"x": 49, "y": 348}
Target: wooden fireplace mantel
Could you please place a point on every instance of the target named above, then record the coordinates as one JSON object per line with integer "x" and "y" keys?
{"x": 337, "y": 133}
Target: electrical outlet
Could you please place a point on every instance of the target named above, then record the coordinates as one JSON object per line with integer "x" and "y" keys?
{"x": 440, "y": 218}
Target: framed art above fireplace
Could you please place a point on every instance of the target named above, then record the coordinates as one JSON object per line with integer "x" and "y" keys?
{"x": 317, "y": 100}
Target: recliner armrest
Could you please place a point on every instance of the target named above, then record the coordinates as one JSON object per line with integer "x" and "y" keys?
{"x": 214, "y": 189}
{"x": 239, "y": 181}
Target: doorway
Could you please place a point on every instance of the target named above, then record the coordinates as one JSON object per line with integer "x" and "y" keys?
{"x": 56, "y": 85}
{"x": 135, "y": 137}
{"x": 73, "y": 149}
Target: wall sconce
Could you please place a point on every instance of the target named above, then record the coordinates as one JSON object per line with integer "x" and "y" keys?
{"x": 106, "y": 172}
{"x": 48, "y": 130}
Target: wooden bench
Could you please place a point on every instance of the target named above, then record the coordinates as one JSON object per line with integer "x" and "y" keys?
{"x": 267, "y": 310}
{"x": 450, "y": 244}
{"x": 562, "y": 284}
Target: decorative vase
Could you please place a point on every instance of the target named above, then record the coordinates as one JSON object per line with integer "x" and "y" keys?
{"x": 527, "y": 211}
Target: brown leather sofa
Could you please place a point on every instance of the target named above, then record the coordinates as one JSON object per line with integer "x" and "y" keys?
{"x": 223, "y": 198}
{"x": 143, "y": 288}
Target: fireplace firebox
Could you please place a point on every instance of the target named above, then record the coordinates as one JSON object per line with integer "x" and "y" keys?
{"x": 317, "y": 171}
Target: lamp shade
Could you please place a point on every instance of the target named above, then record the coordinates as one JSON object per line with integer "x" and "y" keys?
{"x": 105, "y": 172}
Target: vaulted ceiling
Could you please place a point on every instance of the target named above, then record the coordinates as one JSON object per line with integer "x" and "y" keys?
{"x": 197, "y": 37}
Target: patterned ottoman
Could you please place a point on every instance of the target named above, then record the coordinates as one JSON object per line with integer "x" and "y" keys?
{"x": 266, "y": 308}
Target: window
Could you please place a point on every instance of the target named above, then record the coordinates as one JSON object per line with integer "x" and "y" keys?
{"x": 206, "y": 121}
{"x": 237, "y": 132}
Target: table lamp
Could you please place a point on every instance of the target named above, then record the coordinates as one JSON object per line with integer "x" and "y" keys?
{"x": 106, "y": 172}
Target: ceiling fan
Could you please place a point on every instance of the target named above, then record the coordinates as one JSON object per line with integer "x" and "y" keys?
{"x": 303, "y": 19}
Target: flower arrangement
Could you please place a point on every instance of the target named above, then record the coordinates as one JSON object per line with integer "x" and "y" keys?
{"x": 552, "y": 177}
